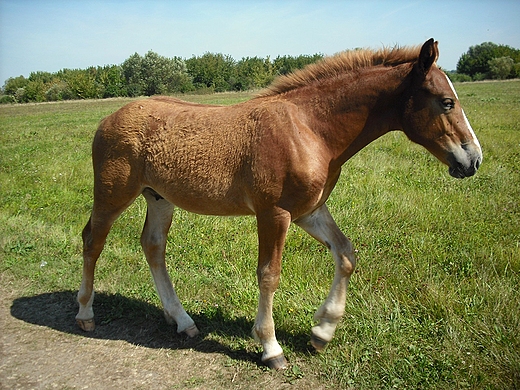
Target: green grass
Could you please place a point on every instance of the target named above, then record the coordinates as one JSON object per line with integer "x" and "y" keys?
{"x": 434, "y": 302}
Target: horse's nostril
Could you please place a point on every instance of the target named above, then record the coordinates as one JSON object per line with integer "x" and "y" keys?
{"x": 477, "y": 164}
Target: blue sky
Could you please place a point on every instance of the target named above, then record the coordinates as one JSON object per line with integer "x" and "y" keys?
{"x": 49, "y": 35}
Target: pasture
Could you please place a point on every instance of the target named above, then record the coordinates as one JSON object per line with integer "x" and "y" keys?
{"x": 434, "y": 302}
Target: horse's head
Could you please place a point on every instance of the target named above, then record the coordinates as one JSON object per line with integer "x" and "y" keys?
{"x": 433, "y": 117}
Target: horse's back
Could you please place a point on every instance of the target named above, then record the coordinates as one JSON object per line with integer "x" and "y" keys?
{"x": 225, "y": 160}
{"x": 193, "y": 155}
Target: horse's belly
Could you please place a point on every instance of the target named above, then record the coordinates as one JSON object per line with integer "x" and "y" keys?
{"x": 212, "y": 207}
{"x": 206, "y": 199}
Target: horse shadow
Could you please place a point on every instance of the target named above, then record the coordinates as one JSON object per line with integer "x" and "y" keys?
{"x": 140, "y": 323}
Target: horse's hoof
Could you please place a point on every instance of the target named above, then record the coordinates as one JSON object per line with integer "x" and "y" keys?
{"x": 276, "y": 363}
{"x": 318, "y": 343}
{"x": 86, "y": 325}
{"x": 192, "y": 331}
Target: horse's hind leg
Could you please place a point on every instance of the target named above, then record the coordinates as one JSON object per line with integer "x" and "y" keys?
{"x": 321, "y": 226}
{"x": 93, "y": 242}
{"x": 153, "y": 240}
{"x": 94, "y": 237}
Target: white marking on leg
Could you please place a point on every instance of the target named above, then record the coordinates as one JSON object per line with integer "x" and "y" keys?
{"x": 173, "y": 309}
{"x": 85, "y": 312}
{"x": 272, "y": 226}
{"x": 153, "y": 241}
{"x": 263, "y": 330}
{"x": 321, "y": 226}
{"x": 331, "y": 311}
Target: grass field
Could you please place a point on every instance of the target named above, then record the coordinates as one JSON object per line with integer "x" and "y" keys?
{"x": 434, "y": 302}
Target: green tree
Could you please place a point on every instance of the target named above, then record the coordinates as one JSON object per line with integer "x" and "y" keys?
{"x": 35, "y": 91}
{"x": 12, "y": 85}
{"x": 458, "y": 77}
{"x": 216, "y": 71}
{"x": 111, "y": 80}
{"x": 516, "y": 70}
{"x": 154, "y": 74}
{"x": 81, "y": 83}
{"x": 44, "y": 77}
{"x": 132, "y": 74}
{"x": 287, "y": 64}
{"x": 164, "y": 75}
{"x": 58, "y": 90}
{"x": 501, "y": 68}
{"x": 476, "y": 61}
{"x": 253, "y": 73}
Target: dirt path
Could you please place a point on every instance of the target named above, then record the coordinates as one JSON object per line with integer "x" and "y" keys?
{"x": 41, "y": 348}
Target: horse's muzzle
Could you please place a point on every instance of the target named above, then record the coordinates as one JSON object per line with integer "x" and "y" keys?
{"x": 460, "y": 170}
{"x": 465, "y": 160}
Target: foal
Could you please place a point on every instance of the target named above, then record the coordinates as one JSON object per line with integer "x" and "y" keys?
{"x": 277, "y": 157}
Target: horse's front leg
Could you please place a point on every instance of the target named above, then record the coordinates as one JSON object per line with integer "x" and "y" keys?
{"x": 272, "y": 231}
{"x": 321, "y": 226}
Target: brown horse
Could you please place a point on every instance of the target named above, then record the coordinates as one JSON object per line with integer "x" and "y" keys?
{"x": 278, "y": 157}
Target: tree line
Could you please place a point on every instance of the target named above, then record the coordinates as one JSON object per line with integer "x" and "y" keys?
{"x": 153, "y": 74}
{"x": 488, "y": 61}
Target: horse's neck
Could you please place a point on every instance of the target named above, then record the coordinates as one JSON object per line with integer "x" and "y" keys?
{"x": 350, "y": 112}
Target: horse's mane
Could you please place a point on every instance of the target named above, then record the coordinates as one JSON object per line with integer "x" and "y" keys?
{"x": 341, "y": 63}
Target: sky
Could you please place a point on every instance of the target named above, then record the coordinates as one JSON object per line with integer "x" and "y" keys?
{"x": 49, "y": 35}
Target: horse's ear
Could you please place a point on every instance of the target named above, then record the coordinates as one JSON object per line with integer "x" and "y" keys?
{"x": 428, "y": 56}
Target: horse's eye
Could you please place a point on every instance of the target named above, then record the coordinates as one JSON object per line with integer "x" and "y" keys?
{"x": 448, "y": 104}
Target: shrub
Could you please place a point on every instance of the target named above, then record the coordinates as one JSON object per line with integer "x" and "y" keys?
{"x": 58, "y": 91}
{"x": 19, "y": 95}
{"x": 253, "y": 73}
{"x": 12, "y": 85}
{"x": 458, "y": 77}
{"x": 479, "y": 59}
{"x": 501, "y": 68}
{"x": 212, "y": 70}
{"x": 479, "y": 76}
{"x": 154, "y": 74}
{"x": 35, "y": 91}
{"x": 287, "y": 64}
{"x": 6, "y": 99}
{"x": 516, "y": 70}
{"x": 134, "y": 90}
